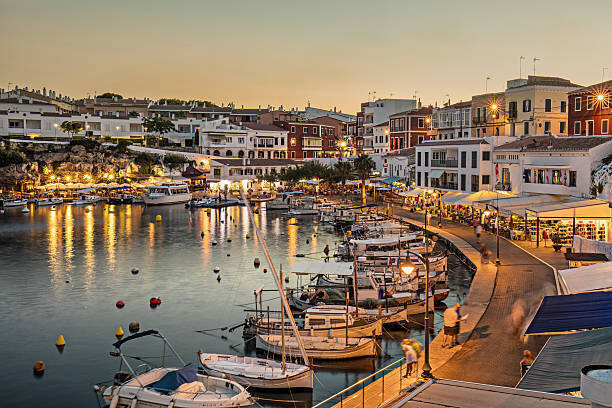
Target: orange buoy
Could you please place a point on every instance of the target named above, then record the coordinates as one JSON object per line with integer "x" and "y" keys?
{"x": 60, "y": 341}
{"x": 120, "y": 304}
{"x": 119, "y": 333}
{"x": 39, "y": 368}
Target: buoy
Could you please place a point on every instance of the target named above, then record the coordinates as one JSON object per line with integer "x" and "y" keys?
{"x": 286, "y": 279}
{"x": 120, "y": 304}
{"x": 218, "y": 278}
{"x": 214, "y": 242}
{"x": 256, "y": 262}
{"x": 134, "y": 327}
{"x": 39, "y": 368}
{"x": 154, "y": 302}
{"x": 216, "y": 269}
{"x": 60, "y": 341}
{"x": 119, "y": 333}
{"x": 67, "y": 281}
{"x": 158, "y": 218}
{"x": 202, "y": 235}
{"x": 53, "y": 207}
{"x": 248, "y": 235}
{"x": 229, "y": 240}
{"x": 308, "y": 241}
{"x": 265, "y": 270}
{"x": 25, "y": 210}
{"x": 135, "y": 271}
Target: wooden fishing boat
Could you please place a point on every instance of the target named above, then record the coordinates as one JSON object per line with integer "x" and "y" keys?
{"x": 319, "y": 348}
{"x": 256, "y": 372}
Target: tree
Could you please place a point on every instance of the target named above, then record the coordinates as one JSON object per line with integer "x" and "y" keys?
{"x": 145, "y": 162}
{"x": 175, "y": 161}
{"x": 71, "y": 127}
{"x": 364, "y": 166}
{"x": 110, "y": 95}
{"x": 343, "y": 170}
{"x": 157, "y": 125}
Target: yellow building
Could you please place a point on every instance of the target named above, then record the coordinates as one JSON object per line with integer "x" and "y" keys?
{"x": 537, "y": 105}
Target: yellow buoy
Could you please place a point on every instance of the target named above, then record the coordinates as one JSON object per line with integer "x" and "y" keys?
{"x": 119, "y": 333}
{"x": 229, "y": 240}
{"x": 60, "y": 341}
{"x": 248, "y": 235}
{"x": 158, "y": 218}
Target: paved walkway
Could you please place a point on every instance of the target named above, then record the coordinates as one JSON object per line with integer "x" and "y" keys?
{"x": 488, "y": 353}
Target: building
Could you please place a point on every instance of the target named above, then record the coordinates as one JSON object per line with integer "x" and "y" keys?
{"x": 381, "y": 139}
{"x": 311, "y": 113}
{"x": 266, "y": 141}
{"x": 489, "y": 114}
{"x": 409, "y": 128}
{"x": 452, "y": 121}
{"x": 589, "y": 110}
{"x": 306, "y": 138}
{"x": 548, "y": 164}
{"x": 332, "y": 143}
{"x": 230, "y": 172}
{"x": 64, "y": 104}
{"x": 400, "y": 163}
{"x": 21, "y": 105}
{"x": 538, "y": 105}
{"x": 269, "y": 116}
{"x": 456, "y": 165}
{"x": 375, "y": 113}
{"x": 113, "y": 106}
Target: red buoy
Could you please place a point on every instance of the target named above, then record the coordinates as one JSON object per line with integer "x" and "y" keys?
{"x": 154, "y": 302}
{"x": 120, "y": 304}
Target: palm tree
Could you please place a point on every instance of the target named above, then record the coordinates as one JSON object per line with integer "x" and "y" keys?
{"x": 343, "y": 170}
{"x": 363, "y": 166}
{"x": 158, "y": 125}
{"x": 71, "y": 127}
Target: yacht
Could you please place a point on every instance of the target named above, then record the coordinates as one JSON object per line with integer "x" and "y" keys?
{"x": 49, "y": 201}
{"x": 167, "y": 194}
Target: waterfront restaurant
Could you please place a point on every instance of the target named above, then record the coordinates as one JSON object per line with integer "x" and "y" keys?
{"x": 233, "y": 172}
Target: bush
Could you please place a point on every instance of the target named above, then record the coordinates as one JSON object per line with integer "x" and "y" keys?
{"x": 88, "y": 144}
{"x": 9, "y": 157}
{"x": 175, "y": 160}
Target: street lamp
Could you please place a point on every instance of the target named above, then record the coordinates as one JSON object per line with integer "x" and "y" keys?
{"x": 497, "y": 260}
{"x": 55, "y": 125}
{"x": 117, "y": 129}
{"x": 494, "y": 107}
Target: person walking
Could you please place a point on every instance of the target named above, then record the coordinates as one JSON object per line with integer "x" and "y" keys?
{"x": 326, "y": 251}
{"x": 411, "y": 356}
{"x": 457, "y": 330}
{"x": 450, "y": 326}
{"x": 526, "y": 362}
{"x": 478, "y": 232}
{"x": 517, "y": 315}
{"x": 484, "y": 254}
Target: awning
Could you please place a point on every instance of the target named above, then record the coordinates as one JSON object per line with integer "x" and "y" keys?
{"x": 587, "y": 278}
{"x": 592, "y": 209}
{"x": 452, "y": 197}
{"x": 566, "y": 313}
{"x": 436, "y": 173}
{"x": 547, "y": 166}
{"x": 390, "y": 180}
{"x": 323, "y": 268}
{"x": 414, "y": 192}
{"x": 483, "y": 195}
{"x": 557, "y": 367}
{"x": 86, "y": 190}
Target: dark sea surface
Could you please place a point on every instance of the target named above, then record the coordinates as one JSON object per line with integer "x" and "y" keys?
{"x": 63, "y": 270}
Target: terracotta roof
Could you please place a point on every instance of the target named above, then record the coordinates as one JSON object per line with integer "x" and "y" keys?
{"x": 170, "y": 107}
{"x": 554, "y": 143}
{"x": 602, "y": 86}
{"x": 210, "y": 109}
{"x": 259, "y": 126}
{"x": 415, "y": 112}
{"x": 255, "y": 162}
{"x": 247, "y": 111}
{"x": 453, "y": 142}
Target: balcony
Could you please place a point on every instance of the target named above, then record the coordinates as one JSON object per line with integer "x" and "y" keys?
{"x": 445, "y": 163}
{"x": 546, "y": 188}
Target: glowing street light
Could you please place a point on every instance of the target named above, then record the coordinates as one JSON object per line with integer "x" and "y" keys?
{"x": 408, "y": 267}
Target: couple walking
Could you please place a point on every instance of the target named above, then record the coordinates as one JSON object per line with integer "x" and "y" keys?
{"x": 452, "y": 321}
{"x": 411, "y": 349}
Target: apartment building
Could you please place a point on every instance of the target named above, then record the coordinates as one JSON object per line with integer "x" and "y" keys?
{"x": 409, "y": 128}
{"x": 373, "y": 114}
{"x": 266, "y": 141}
{"x": 400, "y": 163}
{"x": 589, "y": 110}
{"x": 453, "y": 121}
{"x": 538, "y": 105}
{"x": 224, "y": 171}
{"x": 331, "y": 140}
{"x": 454, "y": 164}
{"x": 306, "y": 139}
{"x": 489, "y": 114}
{"x": 21, "y": 105}
{"x": 381, "y": 143}
{"x": 64, "y": 104}
{"x": 113, "y": 106}
{"x": 547, "y": 164}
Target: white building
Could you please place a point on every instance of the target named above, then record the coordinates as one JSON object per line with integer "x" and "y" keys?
{"x": 548, "y": 164}
{"x": 225, "y": 171}
{"x": 266, "y": 141}
{"x": 380, "y": 141}
{"x": 453, "y": 121}
{"x": 376, "y": 113}
{"x": 400, "y": 163}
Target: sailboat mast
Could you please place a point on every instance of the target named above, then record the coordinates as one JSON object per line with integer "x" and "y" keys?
{"x": 284, "y": 363}
{"x": 275, "y": 275}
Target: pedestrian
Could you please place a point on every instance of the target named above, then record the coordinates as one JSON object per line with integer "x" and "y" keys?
{"x": 450, "y": 323}
{"x": 410, "y": 354}
{"x": 526, "y": 362}
{"x": 478, "y": 232}
{"x": 326, "y": 251}
{"x": 545, "y": 237}
{"x": 484, "y": 254}
{"x": 517, "y": 315}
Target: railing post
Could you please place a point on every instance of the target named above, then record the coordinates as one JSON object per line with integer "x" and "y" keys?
{"x": 363, "y": 394}
{"x": 383, "y": 387}
{"x": 400, "y": 371}
{"x": 341, "y": 400}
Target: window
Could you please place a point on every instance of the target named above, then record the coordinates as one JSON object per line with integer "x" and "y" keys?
{"x": 576, "y": 128}
{"x": 474, "y": 183}
{"x": 561, "y": 127}
{"x": 589, "y": 102}
{"x": 486, "y": 156}
{"x": 563, "y": 106}
{"x": 241, "y": 140}
{"x": 572, "y": 178}
{"x": 282, "y": 140}
{"x": 418, "y": 178}
{"x": 463, "y": 182}
{"x": 485, "y": 179}
{"x": 604, "y": 126}
{"x": 547, "y": 105}
{"x": 292, "y": 129}
{"x": 577, "y": 103}
{"x": 426, "y": 159}
{"x": 474, "y": 160}
{"x": 418, "y": 158}
{"x": 314, "y": 130}
{"x": 605, "y": 104}
{"x": 546, "y": 127}
{"x": 484, "y": 132}
{"x": 426, "y": 181}
{"x": 217, "y": 172}
{"x": 478, "y": 132}
{"x": 525, "y": 128}
{"x": 293, "y": 141}
{"x": 590, "y": 127}
{"x": 305, "y": 129}
{"x": 512, "y": 109}
{"x": 463, "y": 159}
{"x": 527, "y": 105}
{"x": 293, "y": 155}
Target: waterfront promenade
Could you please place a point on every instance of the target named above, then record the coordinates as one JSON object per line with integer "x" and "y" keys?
{"x": 488, "y": 352}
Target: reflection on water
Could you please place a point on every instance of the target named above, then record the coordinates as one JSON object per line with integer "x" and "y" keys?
{"x": 64, "y": 269}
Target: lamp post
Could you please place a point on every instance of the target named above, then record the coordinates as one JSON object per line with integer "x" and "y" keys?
{"x": 55, "y": 125}
{"x": 117, "y": 129}
{"x": 497, "y": 261}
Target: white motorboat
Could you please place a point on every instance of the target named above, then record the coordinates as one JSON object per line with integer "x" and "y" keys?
{"x": 256, "y": 372}
{"x": 49, "y": 201}
{"x": 86, "y": 200}
{"x": 167, "y": 194}
{"x": 318, "y": 347}
{"x": 14, "y": 203}
{"x": 302, "y": 206}
{"x": 170, "y": 387}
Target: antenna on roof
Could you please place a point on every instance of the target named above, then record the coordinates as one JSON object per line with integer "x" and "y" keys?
{"x": 534, "y": 64}
{"x": 521, "y": 67}
{"x": 603, "y": 73}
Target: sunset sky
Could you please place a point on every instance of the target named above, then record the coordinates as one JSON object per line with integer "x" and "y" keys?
{"x": 288, "y": 52}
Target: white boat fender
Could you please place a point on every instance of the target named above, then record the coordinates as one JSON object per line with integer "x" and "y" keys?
{"x": 214, "y": 242}
{"x": 216, "y": 269}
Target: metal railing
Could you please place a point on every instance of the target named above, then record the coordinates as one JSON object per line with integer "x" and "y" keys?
{"x": 339, "y": 397}
{"x": 444, "y": 163}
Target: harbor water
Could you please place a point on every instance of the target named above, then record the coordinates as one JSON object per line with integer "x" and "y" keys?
{"x": 62, "y": 271}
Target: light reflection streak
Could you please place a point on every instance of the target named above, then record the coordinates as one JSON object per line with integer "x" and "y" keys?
{"x": 54, "y": 258}
{"x": 68, "y": 240}
{"x": 89, "y": 249}
{"x": 110, "y": 238}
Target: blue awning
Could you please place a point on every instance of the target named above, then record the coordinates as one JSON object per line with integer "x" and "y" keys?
{"x": 390, "y": 180}
{"x": 582, "y": 311}
{"x": 557, "y": 367}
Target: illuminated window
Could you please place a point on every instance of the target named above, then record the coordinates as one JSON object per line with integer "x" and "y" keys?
{"x": 293, "y": 141}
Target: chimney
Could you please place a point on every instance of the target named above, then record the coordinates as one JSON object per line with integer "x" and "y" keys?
{"x": 242, "y": 107}
{"x": 334, "y": 109}
{"x": 419, "y": 104}
{"x": 44, "y": 91}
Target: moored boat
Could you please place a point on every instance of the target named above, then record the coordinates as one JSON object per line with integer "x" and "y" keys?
{"x": 319, "y": 348}
{"x": 167, "y": 194}
{"x": 49, "y": 201}
{"x": 14, "y": 203}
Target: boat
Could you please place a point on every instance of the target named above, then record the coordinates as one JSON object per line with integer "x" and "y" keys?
{"x": 167, "y": 194}
{"x": 14, "y": 203}
{"x": 49, "y": 201}
{"x": 256, "y": 372}
{"x": 121, "y": 199}
{"x": 169, "y": 387}
{"x": 86, "y": 200}
{"x": 282, "y": 201}
{"x": 302, "y": 206}
{"x": 25, "y": 210}
{"x": 319, "y": 347}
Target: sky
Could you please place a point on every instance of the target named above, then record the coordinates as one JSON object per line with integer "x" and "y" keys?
{"x": 332, "y": 53}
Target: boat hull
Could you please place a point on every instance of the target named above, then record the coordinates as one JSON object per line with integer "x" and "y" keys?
{"x": 14, "y": 203}
{"x": 360, "y": 348}
{"x": 166, "y": 200}
{"x": 365, "y": 330}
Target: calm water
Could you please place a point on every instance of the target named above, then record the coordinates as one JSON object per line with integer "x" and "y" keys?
{"x": 62, "y": 271}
